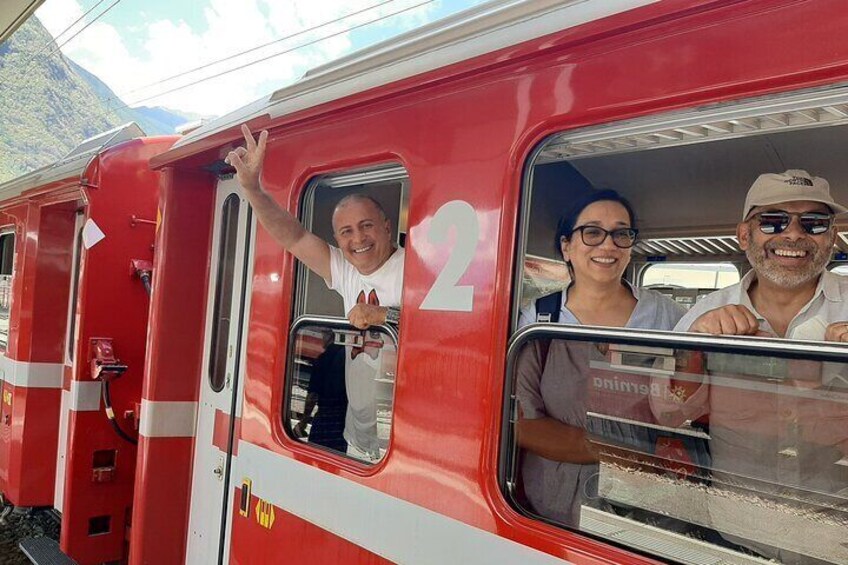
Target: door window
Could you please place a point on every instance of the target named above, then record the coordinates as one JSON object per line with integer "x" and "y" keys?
{"x": 7, "y": 261}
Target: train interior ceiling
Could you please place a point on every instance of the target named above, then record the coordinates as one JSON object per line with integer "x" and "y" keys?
{"x": 687, "y": 184}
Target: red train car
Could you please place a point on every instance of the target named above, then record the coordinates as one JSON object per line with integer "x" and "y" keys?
{"x": 77, "y": 238}
{"x": 475, "y": 133}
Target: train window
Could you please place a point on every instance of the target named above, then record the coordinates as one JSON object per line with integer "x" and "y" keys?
{"x": 340, "y": 382}
{"x": 7, "y": 260}
{"x": 687, "y": 283}
{"x": 223, "y": 293}
{"x": 687, "y": 176}
{"x": 319, "y": 395}
{"x": 75, "y": 273}
{"x": 543, "y": 276}
{"x": 388, "y": 185}
{"x": 690, "y": 275}
{"x": 682, "y": 446}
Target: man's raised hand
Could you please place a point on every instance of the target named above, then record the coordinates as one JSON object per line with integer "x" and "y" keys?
{"x": 248, "y": 160}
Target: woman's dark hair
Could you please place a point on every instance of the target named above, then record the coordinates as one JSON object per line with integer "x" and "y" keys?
{"x": 569, "y": 219}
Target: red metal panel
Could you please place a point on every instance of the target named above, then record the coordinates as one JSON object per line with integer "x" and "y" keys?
{"x": 175, "y": 347}
{"x": 161, "y": 505}
{"x": 181, "y": 278}
{"x": 34, "y": 434}
{"x": 85, "y": 501}
{"x": 111, "y": 303}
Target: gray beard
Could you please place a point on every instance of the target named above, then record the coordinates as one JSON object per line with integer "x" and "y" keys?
{"x": 767, "y": 269}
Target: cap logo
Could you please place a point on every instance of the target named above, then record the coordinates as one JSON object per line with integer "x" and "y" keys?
{"x": 800, "y": 181}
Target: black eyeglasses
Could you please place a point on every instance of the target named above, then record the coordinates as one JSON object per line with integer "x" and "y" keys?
{"x": 594, "y": 236}
{"x": 813, "y": 223}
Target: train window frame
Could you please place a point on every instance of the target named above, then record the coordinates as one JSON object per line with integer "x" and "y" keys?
{"x": 363, "y": 179}
{"x": 508, "y": 456}
{"x": 7, "y": 263}
{"x": 807, "y": 109}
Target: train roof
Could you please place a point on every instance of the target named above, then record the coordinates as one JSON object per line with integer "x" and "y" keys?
{"x": 13, "y": 13}
{"x": 74, "y": 163}
{"x": 477, "y": 31}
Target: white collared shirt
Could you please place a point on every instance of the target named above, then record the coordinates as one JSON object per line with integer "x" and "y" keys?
{"x": 653, "y": 311}
{"x": 828, "y": 305}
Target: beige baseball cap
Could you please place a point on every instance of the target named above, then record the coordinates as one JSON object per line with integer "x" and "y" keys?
{"x": 794, "y": 184}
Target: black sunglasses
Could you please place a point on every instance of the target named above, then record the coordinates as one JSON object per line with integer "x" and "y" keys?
{"x": 595, "y": 235}
{"x": 813, "y": 223}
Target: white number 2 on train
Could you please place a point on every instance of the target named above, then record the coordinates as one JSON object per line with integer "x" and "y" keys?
{"x": 445, "y": 294}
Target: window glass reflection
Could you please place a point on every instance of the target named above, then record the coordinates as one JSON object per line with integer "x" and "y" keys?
{"x": 341, "y": 388}
{"x": 744, "y": 451}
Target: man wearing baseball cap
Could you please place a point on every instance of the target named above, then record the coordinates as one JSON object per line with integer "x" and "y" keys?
{"x": 787, "y": 233}
{"x": 773, "y": 429}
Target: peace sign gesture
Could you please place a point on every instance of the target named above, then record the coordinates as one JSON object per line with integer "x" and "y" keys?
{"x": 248, "y": 160}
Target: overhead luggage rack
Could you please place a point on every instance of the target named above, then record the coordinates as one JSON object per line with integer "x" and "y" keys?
{"x": 725, "y": 246}
{"x": 689, "y": 246}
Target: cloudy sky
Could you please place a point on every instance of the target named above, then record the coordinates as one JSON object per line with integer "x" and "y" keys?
{"x": 142, "y": 49}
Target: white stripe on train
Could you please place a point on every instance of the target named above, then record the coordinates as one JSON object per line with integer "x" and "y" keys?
{"x": 395, "y": 529}
{"x": 167, "y": 418}
{"x": 31, "y": 375}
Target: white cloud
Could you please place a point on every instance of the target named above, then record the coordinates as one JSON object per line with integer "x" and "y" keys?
{"x": 57, "y": 15}
{"x": 173, "y": 47}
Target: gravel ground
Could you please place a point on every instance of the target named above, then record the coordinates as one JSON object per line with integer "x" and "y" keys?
{"x": 23, "y": 524}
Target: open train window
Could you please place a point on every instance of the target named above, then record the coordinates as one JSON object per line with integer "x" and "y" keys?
{"x": 340, "y": 380}
{"x": 7, "y": 262}
{"x": 687, "y": 176}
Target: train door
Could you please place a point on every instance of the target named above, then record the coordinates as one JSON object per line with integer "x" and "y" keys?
{"x": 219, "y": 399}
{"x": 70, "y": 345}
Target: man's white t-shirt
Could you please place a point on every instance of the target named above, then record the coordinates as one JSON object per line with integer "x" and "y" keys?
{"x": 381, "y": 288}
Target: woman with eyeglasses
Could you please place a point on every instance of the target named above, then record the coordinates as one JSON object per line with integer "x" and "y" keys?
{"x": 559, "y": 464}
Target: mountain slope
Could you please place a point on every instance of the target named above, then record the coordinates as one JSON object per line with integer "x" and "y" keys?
{"x": 49, "y": 105}
{"x": 153, "y": 120}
